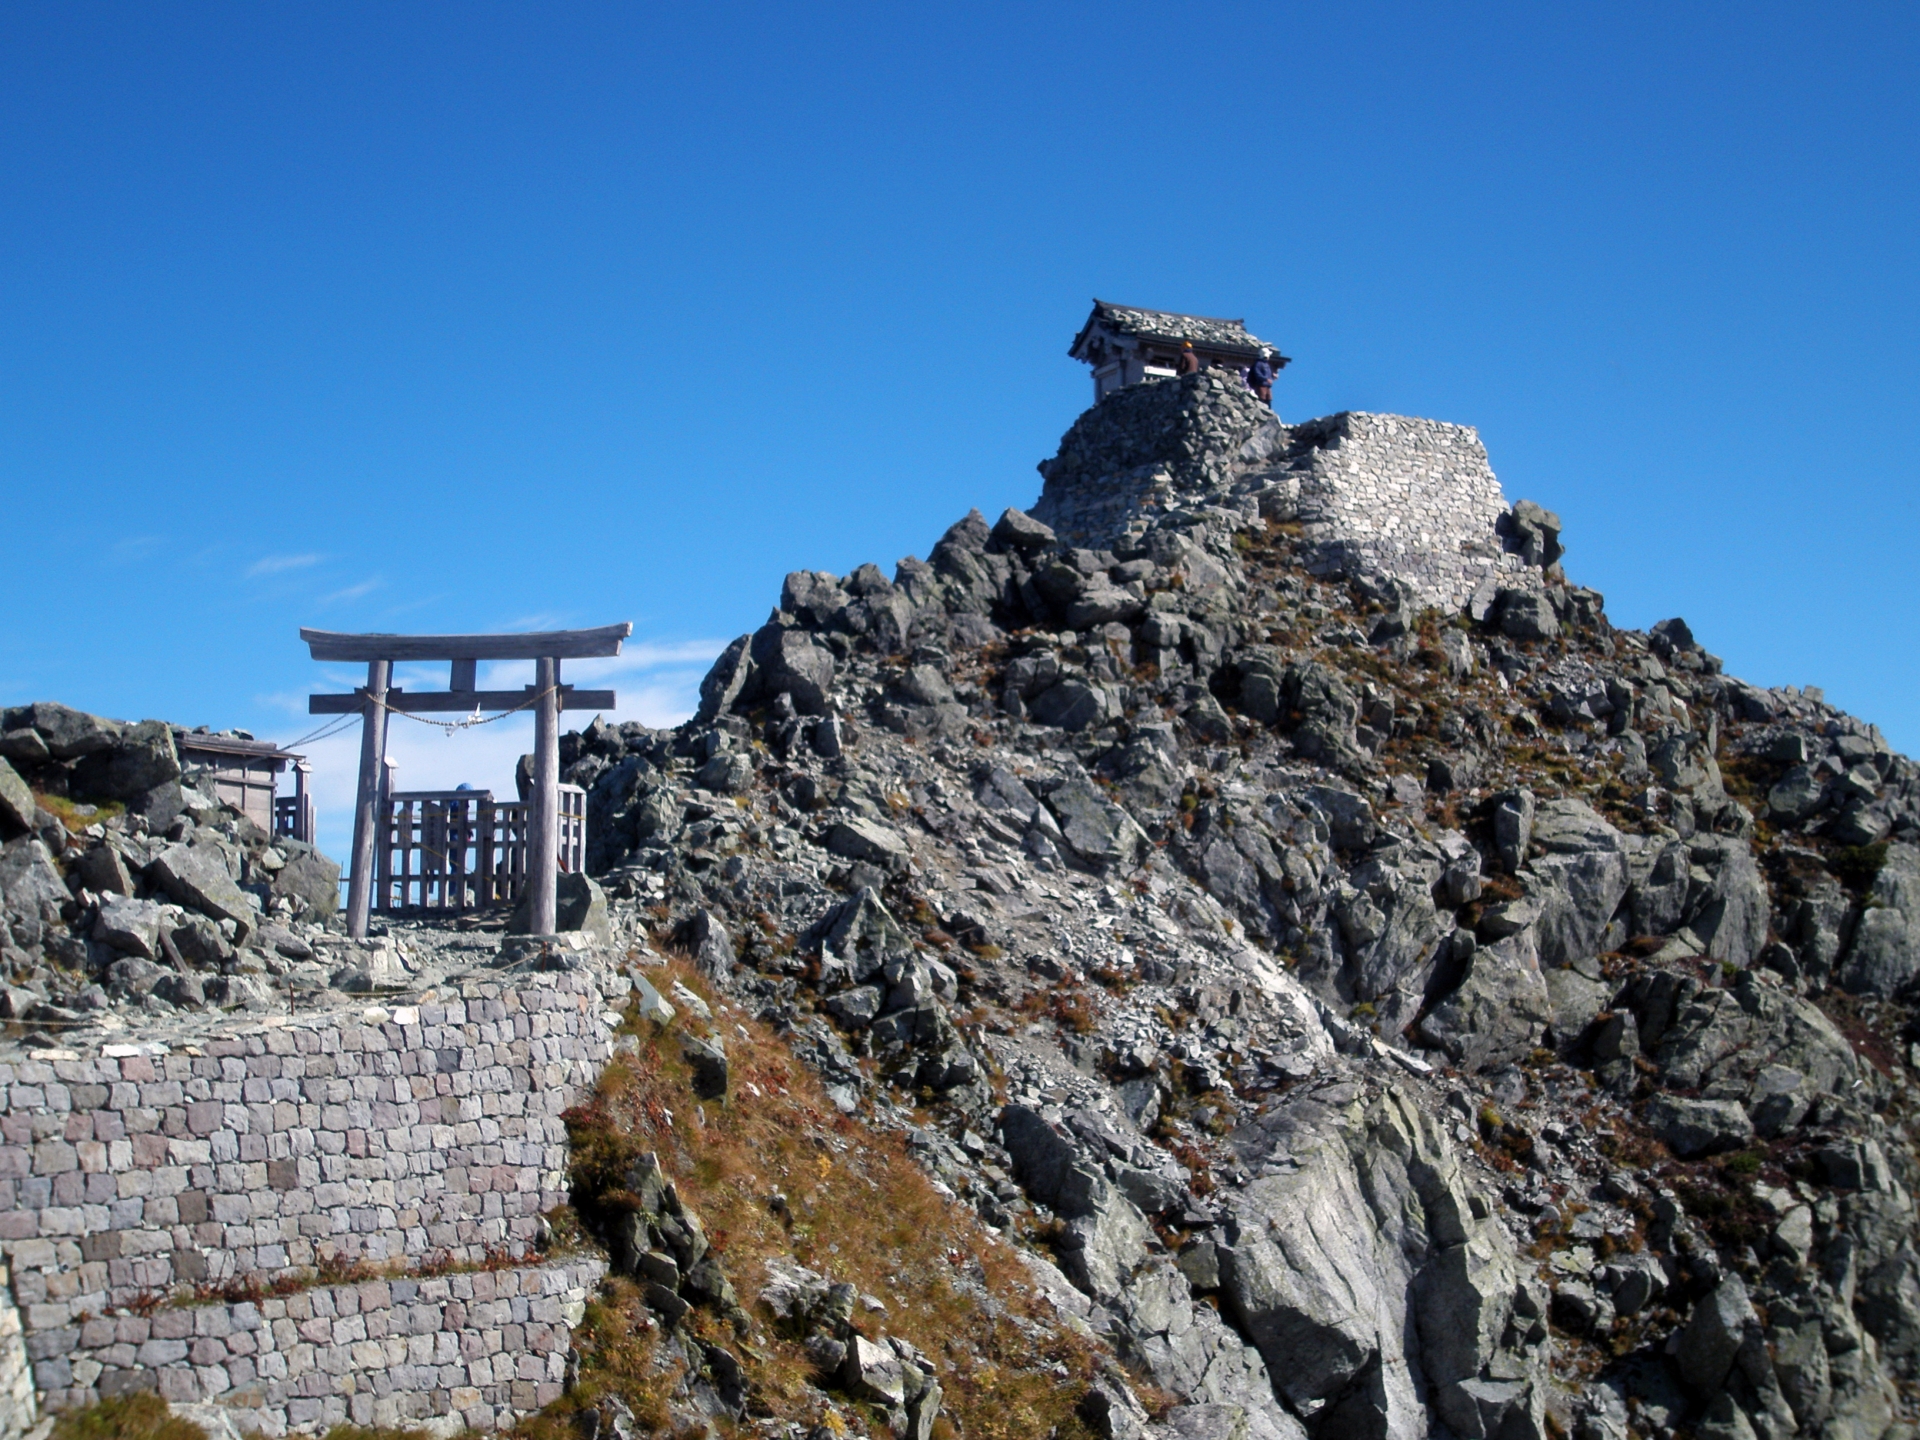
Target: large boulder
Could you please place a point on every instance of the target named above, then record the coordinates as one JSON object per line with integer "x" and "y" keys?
{"x": 141, "y": 759}
{"x": 725, "y": 681}
{"x": 709, "y": 944}
{"x": 791, "y": 662}
{"x": 1698, "y": 1127}
{"x": 129, "y": 926}
{"x": 1571, "y": 827}
{"x": 1684, "y": 762}
{"x": 1388, "y": 919}
{"x": 1103, "y": 604}
{"x": 1659, "y": 876}
{"x": 1728, "y": 909}
{"x": 1099, "y": 1251}
{"x": 579, "y": 904}
{"x": 1533, "y": 533}
{"x": 1327, "y": 709}
{"x": 728, "y": 773}
{"x": 67, "y": 733}
{"x": 1348, "y": 817}
{"x": 1577, "y": 895}
{"x": 1751, "y": 1041}
{"x": 1513, "y": 815}
{"x": 1017, "y": 530}
{"x": 31, "y": 889}
{"x": 1261, "y": 668}
{"x": 812, "y": 596}
{"x": 309, "y": 879}
{"x": 1105, "y": 1237}
{"x": 857, "y": 838}
{"x": 1711, "y": 1342}
{"x": 103, "y": 870}
{"x": 1074, "y": 704}
{"x": 1360, "y": 1271}
{"x": 1797, "y": 794}
{"x": 859, "y": 937}
{"x": 1049, "y": 1165}
{"x": 1577, "y": 877}
{"x": 17, "y": 804}
{"x": 196, "y": 875}
{"x": 1884, "y": 956}
{"x": 1500, "y": 1009}
{"x": 1526, "y": 615}
{"x": 1100, "y": 833}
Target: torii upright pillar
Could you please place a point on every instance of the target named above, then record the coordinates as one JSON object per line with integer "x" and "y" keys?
{"x": 543, "y": 816}
{"x": 547, "y": 697}
{"x": 373, "y": 759}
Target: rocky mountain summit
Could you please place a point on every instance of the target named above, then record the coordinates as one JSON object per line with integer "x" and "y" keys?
{"x": 1375, "y": 996}
{"x": 1392, "y": 999}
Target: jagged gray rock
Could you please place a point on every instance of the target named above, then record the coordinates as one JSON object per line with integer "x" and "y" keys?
{"x": 1884, "y": 956}
{"x": 17, "y": 805}
{"x": 196, "y": 874}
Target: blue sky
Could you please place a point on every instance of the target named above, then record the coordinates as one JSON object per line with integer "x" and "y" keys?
{"x": 467, "y": 317}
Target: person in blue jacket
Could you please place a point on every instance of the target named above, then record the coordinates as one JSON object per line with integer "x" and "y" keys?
{"x": 1260, "y": 379}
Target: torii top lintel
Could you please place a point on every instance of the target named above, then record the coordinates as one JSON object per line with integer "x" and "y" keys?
{"x": 532, "y": 645}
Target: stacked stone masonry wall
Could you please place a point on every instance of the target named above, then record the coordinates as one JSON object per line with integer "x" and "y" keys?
{"x": 1380, "y": 496}
{"x": 19, "y": 1406}
{"x": 1413, "y": 499}
{"x": 1113, "y": 512}
{"x": 416, "y": 1139}
{"x": 466, "y": 1349}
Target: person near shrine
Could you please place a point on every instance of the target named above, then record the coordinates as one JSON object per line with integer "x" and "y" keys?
{"x": 1260, "y": 380}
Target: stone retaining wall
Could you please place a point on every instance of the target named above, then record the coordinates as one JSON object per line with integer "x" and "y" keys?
{"x": 1414, "y": 499}
{"x": 19, "y": 1406}
{"x": 1382, "y": 496}
{"x": 474, "y": 1349}
{"x": 1110, "y": 514}
{"x": 417, "y": 1137}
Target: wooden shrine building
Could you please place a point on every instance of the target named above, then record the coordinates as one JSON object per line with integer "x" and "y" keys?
{"x": 1126, "y": 345}
{"x": 379, "y": 698}
{"x": 245, "y": 774}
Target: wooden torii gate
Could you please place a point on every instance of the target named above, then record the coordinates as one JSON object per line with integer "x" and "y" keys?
{"x": 546, "y": 697}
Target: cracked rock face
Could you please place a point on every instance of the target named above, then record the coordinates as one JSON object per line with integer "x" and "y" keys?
{"x": 1368, "y": 1273}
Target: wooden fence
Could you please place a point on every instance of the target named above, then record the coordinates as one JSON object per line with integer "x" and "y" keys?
{"x": 293, "y": 817}
{"x": 444, "y": 851}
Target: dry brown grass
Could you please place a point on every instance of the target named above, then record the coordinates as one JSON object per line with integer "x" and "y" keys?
{"x": 335, "y": 1269}
{"x": 857, "y": 1209}
{"x": 77, "y": 815}
{"x": 616, "y": 1343}
{"x": 139, "y": 1416}
{"x": 374, "y": 1432}
{"x": 1873, "y": 1033}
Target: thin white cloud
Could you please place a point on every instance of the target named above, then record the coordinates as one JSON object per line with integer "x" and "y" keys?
{"x": 279, "y": 564}
{"x": 353, "y": 592}
{"x": 284, "y": 701}
{"x": 419, "y": 604}
{"x": 645, "y": 655}
{"x": 536, "y": 622}
{"x": 420, "y": 675}
{"x": 136, "y": 546}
